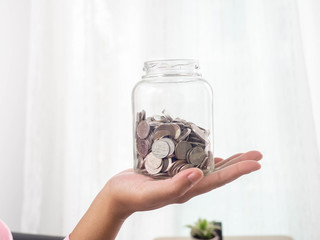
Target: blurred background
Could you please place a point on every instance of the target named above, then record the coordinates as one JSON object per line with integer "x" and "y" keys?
{"x": 67, "y": 69}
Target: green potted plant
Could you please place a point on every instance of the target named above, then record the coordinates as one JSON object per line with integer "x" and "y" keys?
{"x": 204, "y": 229}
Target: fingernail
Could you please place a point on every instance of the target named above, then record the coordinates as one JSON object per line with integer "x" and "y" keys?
{"x": 194, "y": 177}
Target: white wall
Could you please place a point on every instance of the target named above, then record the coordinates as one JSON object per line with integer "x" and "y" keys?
{"x": 14, "y": 30}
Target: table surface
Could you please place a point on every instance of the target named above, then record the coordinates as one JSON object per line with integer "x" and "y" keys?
{"x": 234, "y": 238}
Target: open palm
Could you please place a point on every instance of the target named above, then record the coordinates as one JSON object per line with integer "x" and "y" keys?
{"x": 136, "y": 192}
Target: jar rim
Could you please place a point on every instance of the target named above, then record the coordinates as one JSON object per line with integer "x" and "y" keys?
{"x": 171, "y": 67}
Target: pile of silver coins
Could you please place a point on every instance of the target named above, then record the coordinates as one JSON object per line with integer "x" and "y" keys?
{"x": 166, "y": 146}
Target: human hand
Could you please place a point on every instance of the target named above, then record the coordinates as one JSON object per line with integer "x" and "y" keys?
{"x": 132, "y": 192}
{"x": 128, "y": 192}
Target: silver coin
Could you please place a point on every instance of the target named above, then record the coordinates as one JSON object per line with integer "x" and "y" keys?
{"x": 179, "y": 166}
{"x": 168, "y": 128}
{"x": 140, "y": 162}
{"x": 143, "y": 129}
{"x": 159, "y": 118}
{"x": 154, "y": 123}
{"x": 194, "y": 138}
{"x": 150, "y": 140}
{"x": 143, "y": 115}
{"x": 164, "y": 165}
{"x": 195, "y": 144}
{"x": 152, "y": 164}
{"x": 174, "y": 168}
{"x": 170, "y": 162}
{"x": 204, "y": 164}
{"x": 181, "y": 149}
{"x": 188, "y": 155}
{"x": 171, "y": 145}
{"x": 142, "y": 147}
{"x": 186, "y": 166}
{"x": 166, "y": 115}
{"x": 177, "y": 130}
{"x": 160, "y": 149}
{"x": 184, "y": 134}
{"x": 138, "y": 117}
{"x": 161, "y": 134}
{"x": 160, "y": 176}
{"x": 208, "y": 162}
{"x": 152, "y": 171}
{"x": 196, "y": 155}
{"x": 201, "y": 134}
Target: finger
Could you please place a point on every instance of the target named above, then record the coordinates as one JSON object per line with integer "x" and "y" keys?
{"x": 228, "y": 159}
{"x": 166, "y": 191}
{"x": 228, "y": 174}
{"x": 217, "y": 160}
{"x": 220, "y": 178}
{"x": 251, "y": 155}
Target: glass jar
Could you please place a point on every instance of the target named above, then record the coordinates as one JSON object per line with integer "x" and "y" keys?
{"x": 173, "y": 126}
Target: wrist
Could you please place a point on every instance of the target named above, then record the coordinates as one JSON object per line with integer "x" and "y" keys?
{"x": 102, "y": 221}
{"x": 117, "y": 207}
{"x": 114, "y": 208}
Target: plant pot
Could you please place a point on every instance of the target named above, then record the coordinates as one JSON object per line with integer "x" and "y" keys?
{"x": 214, "y": 238}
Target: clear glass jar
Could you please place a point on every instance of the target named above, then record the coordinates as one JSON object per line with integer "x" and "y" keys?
{"x": 172, "y": 119}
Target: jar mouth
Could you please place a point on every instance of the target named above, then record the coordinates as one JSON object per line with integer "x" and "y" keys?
{"x": 171, "y": 68}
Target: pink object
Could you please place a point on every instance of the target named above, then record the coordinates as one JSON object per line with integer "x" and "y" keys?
{"x": 5, "y": 233}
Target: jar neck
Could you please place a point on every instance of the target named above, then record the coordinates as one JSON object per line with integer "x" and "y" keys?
{"x": 171, "y": 68}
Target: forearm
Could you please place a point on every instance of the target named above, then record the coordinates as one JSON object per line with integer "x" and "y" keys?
{"x": 102, "y": 221}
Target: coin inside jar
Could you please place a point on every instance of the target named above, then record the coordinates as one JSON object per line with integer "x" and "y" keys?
{"x": 184, "y": 134}
{"x": 208, "y": 161}
{"x": 153, "y": 164}
{"x": 143, "y": 129}
{"x": 200, "y": 133}
{"x": 171, "y": 145}
{"x": 165, "y": 146}
{"x": 167, "y": 162}
{"x": 160, "y": 148}
{"x": 142, "y": 147}
{"x": 161, "y": 133}
{"x": 177, "y": 130}
{"x": 169, "y": 128}
{"x": 196, "y": 156}
{"x": 181, "y": 149}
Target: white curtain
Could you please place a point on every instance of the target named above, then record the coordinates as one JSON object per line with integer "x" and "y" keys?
{"x": 262, "y": 59}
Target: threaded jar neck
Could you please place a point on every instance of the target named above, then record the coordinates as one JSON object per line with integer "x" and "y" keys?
{"x": 171, "y": 68}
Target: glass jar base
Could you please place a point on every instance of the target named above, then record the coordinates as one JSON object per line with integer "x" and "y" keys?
{"x": 166, "y": 145}
{"x": 164, "y": 176}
